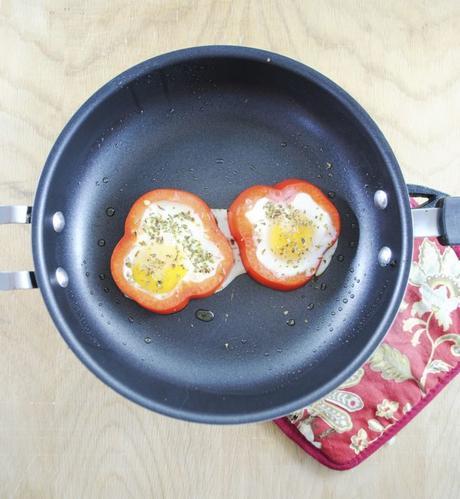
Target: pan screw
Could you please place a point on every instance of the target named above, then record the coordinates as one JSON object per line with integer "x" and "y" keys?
{"x": 381, "y": 199}
{"x": 62, "y": 277}
{"x": 58, "y": 221}
{"x": 384, "y": 256}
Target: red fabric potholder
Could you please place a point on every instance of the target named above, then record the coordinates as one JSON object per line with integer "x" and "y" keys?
{"x": 418, "y": 357}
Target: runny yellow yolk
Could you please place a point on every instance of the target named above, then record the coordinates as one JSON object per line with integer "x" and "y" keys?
{"x": 290, "y": 243}
{"x": 158, "y": 268}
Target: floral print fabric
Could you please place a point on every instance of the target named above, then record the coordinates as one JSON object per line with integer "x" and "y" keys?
{"x": 404, "y": 373}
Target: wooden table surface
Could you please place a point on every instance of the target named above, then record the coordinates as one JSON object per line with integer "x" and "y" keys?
{"x": 63, "y": 434}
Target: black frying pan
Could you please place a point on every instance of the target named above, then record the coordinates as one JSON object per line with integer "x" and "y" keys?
{"x": 214, "y": 121}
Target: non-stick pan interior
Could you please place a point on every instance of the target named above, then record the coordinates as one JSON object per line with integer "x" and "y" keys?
{"x": 214, "y": 122}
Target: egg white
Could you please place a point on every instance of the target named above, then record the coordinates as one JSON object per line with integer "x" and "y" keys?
{"x": 323, "y": 237}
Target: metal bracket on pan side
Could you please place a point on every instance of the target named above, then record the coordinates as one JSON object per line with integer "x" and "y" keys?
{"x": 21, "y": 279}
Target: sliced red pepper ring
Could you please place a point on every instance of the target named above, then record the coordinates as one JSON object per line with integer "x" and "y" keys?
{"x": 171, "y": 252}
{"x": 283, "y": 231}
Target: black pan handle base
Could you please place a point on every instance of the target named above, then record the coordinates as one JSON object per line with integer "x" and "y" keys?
{"x": 450, "y": 220}
{"x": 438, "y": 216}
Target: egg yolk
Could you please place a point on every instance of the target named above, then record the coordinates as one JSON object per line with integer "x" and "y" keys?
{"x": 158, "y": 268}
{"x": 290, "y": 243}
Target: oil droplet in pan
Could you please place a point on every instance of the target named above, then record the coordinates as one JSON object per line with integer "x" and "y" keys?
{"x": 204, "y": 315}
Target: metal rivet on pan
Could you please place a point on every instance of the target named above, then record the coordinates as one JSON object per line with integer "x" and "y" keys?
{"x": 62, "y": 277}
{"x": 384, "y": 256}
{"x": 58, "y": 221}
{"x": 381, "y": 199}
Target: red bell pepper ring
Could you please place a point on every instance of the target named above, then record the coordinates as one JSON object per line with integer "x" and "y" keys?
{"x": 243, "y": 230}
{"x": 185, "y": 290}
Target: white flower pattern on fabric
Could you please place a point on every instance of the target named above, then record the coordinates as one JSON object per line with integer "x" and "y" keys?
{"x": 437, "y": 301}
{"x": 387, "y": 408}
{"x": 307, "y": 431}
{"x": 407, "y": 408}
{"x": 303, "y": 421}
{"x": 438, "y": 277}
{"x": 429, "y": 322}
{"x": 335, "y": 408}
{"x": 360, "y": 441}
{"x": 403, "y": 306}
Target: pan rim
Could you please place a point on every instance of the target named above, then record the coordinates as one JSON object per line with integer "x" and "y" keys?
{"x": 40, "y": 218}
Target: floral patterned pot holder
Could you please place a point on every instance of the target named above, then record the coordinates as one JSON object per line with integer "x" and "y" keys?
{"x": 417, "y": 359}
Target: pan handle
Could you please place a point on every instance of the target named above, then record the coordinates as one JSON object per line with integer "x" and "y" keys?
{"x": 21, "y": 279}
{"x": 439, "y": 216}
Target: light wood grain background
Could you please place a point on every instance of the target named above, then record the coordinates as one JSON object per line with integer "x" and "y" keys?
{"x": 65, "y": 435}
